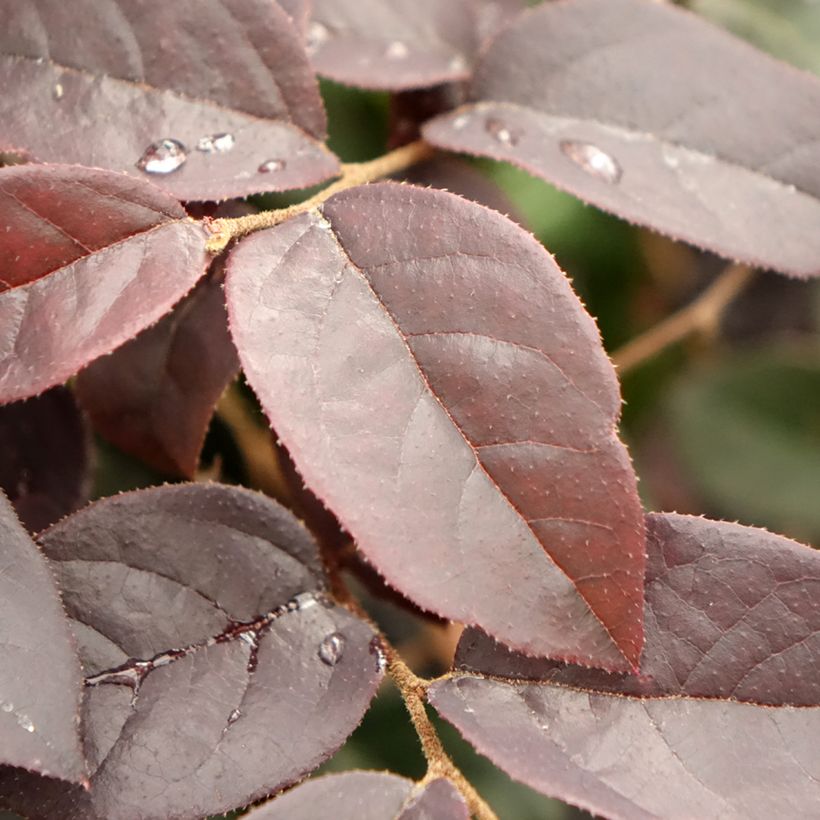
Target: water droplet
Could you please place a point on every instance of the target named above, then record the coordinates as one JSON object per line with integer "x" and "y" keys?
{"x": 331, "y": 648}
{"x": 163, "y": 157}
{"x": 7, "y": 706}
{"x": 302, "y": 601}
{"x": 248, "y": 638}
{"x": 460, "y": 122}
{"x": 271, "y": 165}
{"x": 234, "y": 716}
{"x": 397, "y": 50}
{"x": 458, "y": 63}
{"x": 501, "y": 131}
{"x": 317, "y": 35}
{"x": 58, "y": 91}
{"x": 25, "y": 723}
{"x": 592, "y": 159}
{"x": 216, "y": 143}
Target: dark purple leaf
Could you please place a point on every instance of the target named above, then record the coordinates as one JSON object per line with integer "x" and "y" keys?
{"x": 221, "y": 88}
{"x": 649, "y": 112}
{"x": 87, "y": 260}
{"x": 366, "y": 796}
{"x": 154, "y": 396}
{"x": 442, "y": 390}
{"x": 40, "y": 680}
{"x": 217, "y": 671}
{"x": 45, "y": 466}
{"x": 723, "y": 718}
{"x": 393, "y": 44}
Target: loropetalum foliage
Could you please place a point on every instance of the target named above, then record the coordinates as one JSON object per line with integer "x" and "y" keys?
{"x": 440, "y": 388}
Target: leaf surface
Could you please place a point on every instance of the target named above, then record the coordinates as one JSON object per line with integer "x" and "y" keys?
{"x": 441, "y": 389}
{"x": 45, "y": 469}
{"x": 362, "y": 795}
{"x": 648, "y": 112}
{"x": 722, "y": 719}
{"x": 216, "y": 671}
{"x": 393, "y": 44}
{"x": 134, "y": 74}
{"x": 88, "y": 259}
{"x": 40, "y": 679}
{"x": 154, "y": 396}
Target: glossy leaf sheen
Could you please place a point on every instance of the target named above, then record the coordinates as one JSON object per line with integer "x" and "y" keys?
{"x": 649, "y": 112}
{"x": 442, "y": 390}
{"x": 88, "y": 259}
{"x": 392, "y": 44}
{"x": 40, "y": 680}
{"x": 712, "y": 727}
{"x": 154, "y": 396}
{"x": 133, "y": 73}
{"x": 366, "y": 796}
{"x": 235, "y": 700}
{"x": 44, "y": 469}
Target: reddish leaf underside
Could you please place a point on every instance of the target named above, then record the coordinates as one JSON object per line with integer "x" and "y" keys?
{"x": 393, "y": 45}
{"x": 721, "y": 722}
{"x": 648, "y": 112}
{"x": 217, "y": 672}
{"x": 44, "y": 469}
{"x": 442, "y": 390}
{"x": 154, "y": 396}
{"x": 362, "y": 795}
{"x": 87, "y": 260}
{"x": 40, "y": 679}
{"x": 133, "y": 74}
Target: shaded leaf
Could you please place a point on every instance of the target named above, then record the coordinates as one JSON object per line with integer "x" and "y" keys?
{"x": 746, "y": 433}
{"x": 154, "y": 396}
{"x": 45, "y": 470}
{"x": 441, "y": 389}
{"x": 216, "y": 670}
{"x": 649, "y": 112}
{"x": 88, "y": 259}
{"x": 712, "y": 726}
{"x": 366, "y": 796}
{"x": 40, "y": 680}
{"x": 393, "y": 44}
{"x": 135, "y": 74}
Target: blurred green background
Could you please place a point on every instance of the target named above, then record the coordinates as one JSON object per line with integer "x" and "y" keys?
{"x": 727, "y": 426}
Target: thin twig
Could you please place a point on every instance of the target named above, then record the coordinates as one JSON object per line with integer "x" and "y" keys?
{"x": 413, "y": 691}
{"x": 701, "y": 316}
{"x": 357, "y": 173}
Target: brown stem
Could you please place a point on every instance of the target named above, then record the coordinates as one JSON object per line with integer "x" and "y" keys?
{"x": 701, "y": 316}
{"x": 357, "y": 173}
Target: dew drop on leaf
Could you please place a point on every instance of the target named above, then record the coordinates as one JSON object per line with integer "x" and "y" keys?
{"x": 58, "y": 91}
{"x": 331, "y": 648}
{"x": 397, "y": 50}
{"x": 497, "y": 129}
{"x": 271, "y": 165}
{"x": 317, "y": 35}
{"x": 592, "y": 159}
{"x": 163, "y": 157}
{"x": 216, "y": 143}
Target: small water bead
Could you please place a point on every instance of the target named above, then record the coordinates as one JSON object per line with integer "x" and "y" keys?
{"x": 457, "y": 63}
{"x": 397, "y": 50}
{"x": 58, "y": 91}
{"x": 317, "y": 35}
{"x": 332, "y": 648}
{"x": 163, "y": 157}
{"x": 593, "y": 160}
{"x": 501, "y": 131}
{"x": 461, "y": 121}
{"x": 216, "y": 143}
{"x": 271, "y": 165}
{"x": 25, "y": 723}
{"x": 234, "y": 716}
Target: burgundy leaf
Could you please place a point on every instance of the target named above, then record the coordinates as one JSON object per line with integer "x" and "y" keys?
{"x": 154, "y": 396}
{"x": 88, "y": 259}
{"x": 45, "y": 466}
{"x": 393, "y": 44}
{"x": 40, "y": 680}
{"x": 651, "y": 113}
{"x": 722, "y": 720}
{"x": 442, "y": 390}
{"x": 217, "y": 671}
{"x": 366, "y": 796}
{"x": 209, "y": 98}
